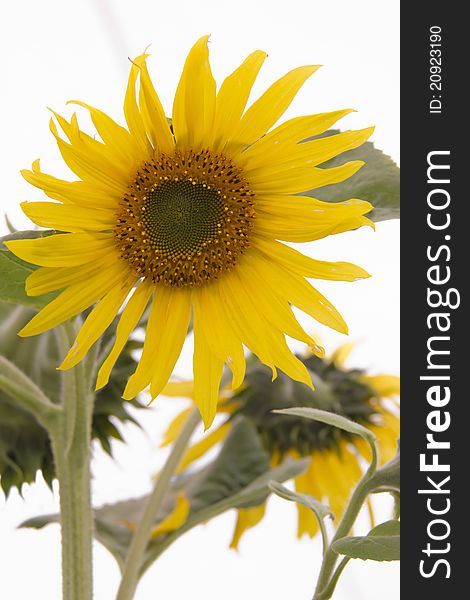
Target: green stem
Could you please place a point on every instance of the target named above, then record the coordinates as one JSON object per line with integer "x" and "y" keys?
{"x": 70, "y": 440}
{"x": 334, "y": 579}
{"x": 324, "y": 590}
{"x": 28, "y": 395}
{"x": 327, "y": 580}
{"x": 136, "y": 553}
{"x": 324, "y": 534}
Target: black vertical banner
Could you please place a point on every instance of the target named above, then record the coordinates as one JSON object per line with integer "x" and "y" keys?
{"x": 435, "y": 255}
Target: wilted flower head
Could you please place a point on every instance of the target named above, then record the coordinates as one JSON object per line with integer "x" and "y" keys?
{"x": 335, "y": 465}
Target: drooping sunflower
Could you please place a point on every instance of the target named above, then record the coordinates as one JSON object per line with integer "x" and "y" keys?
{"x": 335, "y": 464}
{"x": 190, "y": 217}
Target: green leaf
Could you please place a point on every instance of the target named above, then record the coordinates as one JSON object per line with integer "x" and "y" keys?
{"x": 238, "y": 477}
{"x": 306, "y": 500}
{"x": 378, "y": 182}
{"x": 14, "y": 271}
{"x": 381, "y": 544}
{"x": 24, "y": 443}
{"x": 330, "y": 418}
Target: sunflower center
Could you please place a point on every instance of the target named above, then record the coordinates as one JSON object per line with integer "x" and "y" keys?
{"x": 181, "y": 216}
{"x": 185, "y": 219}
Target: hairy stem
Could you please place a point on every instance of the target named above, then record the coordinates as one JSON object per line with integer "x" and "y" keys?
{"x": 71, "y": 448}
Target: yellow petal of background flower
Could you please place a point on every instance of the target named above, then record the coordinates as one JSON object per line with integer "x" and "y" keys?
{"x": 194, "y": 104}
{"x": 341, "y": 354}
{"x": 384, "y": 385}
{"x": 175, "y": 519}
{"x": 206, "y": 443}
{"x": 232, "y": 98}
{"x": 175, "y": 426}
{"x": 305, "y": 483}
{"x": 246, "y": 518}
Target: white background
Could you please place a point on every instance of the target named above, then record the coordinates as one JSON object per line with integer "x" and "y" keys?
{"x": 56, "y": 50}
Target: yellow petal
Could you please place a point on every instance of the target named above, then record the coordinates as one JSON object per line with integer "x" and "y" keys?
{"x": 194, "y": 103}
{"x": 99, "y": 319}
{"x": 268, "y": 342}
{"x": 232, "y": 98}
{"x": 306, "y": 154}
{"x": 63, "y": 249}
{"x": 267, "y": 110}
{"x": 246, "y": 518}
{"x": 153, "y": 115}
{"x": 301, "y": 219}
{"x": 131, "y": 111}
{"x": 336, "y": 475}
{"x": 91, "y": 151}
{"x": 274, "y": 308}
{"x": 128, "y": 321}
{"x": 175, "y": 426}
{"x": 200, "y": 448}
{"x": 302, "y": 179}
{"x": 77, "y": 192}
{"x": 75, "y": 299}
{"x": 249, "y": 331}
{"x": 207, "y": 372}
{"x": 179, "y": 388}
{"x": 86, "y": 167}
{"x": 66, "y": 217}
{"x": 224, "y": 343}
{"x": 341, "y": 354}
{"x": 384, "y": 385}
{"x": 112, "y": 134}
{"x": 49, "y": 279}
{"x": 302, "y": 294}
{"x": 175, "y": 519}
{"x": 305, "y": 483}
{"x": 166, "y": 332}
{"x": 291, "y": 132}
{"x": 308, "y": 267}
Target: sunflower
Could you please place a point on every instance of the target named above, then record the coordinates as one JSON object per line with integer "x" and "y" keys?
{"x": 189, "y": 216}
{"x": 335, "y": 464}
